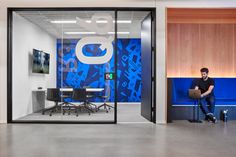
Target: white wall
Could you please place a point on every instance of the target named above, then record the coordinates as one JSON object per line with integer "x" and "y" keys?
{"x": 27, "y": 36}
{"x": 161, "y": 38}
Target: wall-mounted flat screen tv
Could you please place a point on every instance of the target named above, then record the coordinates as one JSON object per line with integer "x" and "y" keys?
{"x": 40, "y": 62}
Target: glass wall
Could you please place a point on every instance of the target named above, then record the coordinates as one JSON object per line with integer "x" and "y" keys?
{"x": 74, "y": 65}
{"x": 86, "y": 61}
{"x": 63, "y": 66}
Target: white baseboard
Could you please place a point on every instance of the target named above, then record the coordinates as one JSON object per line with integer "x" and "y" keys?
{"x": 161, "y": 122}
{"x": 3, "y": 122}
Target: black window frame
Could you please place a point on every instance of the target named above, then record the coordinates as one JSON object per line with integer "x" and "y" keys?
{"x": 10, "y": 11}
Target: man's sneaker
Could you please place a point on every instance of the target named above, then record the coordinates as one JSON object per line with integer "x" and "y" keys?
{"x": 214, "y": 120}
{"x": 206, "y": 118}
{"x": 211, "y": 118}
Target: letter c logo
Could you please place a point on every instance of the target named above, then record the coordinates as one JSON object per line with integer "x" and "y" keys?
{"x": 106, "y": 43}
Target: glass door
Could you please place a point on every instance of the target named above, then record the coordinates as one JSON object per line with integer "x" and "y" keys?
{"x": 134, "y": 66}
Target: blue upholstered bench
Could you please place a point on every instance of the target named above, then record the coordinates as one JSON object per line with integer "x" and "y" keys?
{"x": 225, "y": 91}
{"x": 180, "y": 105}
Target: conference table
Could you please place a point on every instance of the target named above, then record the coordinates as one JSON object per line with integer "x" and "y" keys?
{"x": 89, "y": 89}
{"x": 39, "y": 98}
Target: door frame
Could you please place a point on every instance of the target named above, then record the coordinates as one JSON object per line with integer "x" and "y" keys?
{"x": 10, "y": 11}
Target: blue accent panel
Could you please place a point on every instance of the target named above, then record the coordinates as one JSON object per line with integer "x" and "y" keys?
{"x": 224, "y": 91}
{"x": 72, "y": 73}
{"x": 129, "y": 70}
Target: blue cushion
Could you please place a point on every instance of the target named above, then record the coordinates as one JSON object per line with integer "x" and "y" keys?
{"x": 224, "y": 91}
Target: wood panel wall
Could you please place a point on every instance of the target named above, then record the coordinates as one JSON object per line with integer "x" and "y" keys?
{"x": 194, "y": 15}
{"x": 191, "y": 46}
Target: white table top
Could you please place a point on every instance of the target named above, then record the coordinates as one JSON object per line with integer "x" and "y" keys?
{"x": 94, "y": 89}
{"x": 87, "y": 89}
{"x": 71, "y": 89}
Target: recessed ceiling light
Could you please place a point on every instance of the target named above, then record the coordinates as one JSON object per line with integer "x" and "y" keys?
{"x": 105, "y": 21}
{"x": 119, "y": 32}
{"x": 71, "y": 33}
{"x": 123, "y": 21}
{"x": 64, "y": 21}
{"x": 77, "y": 33}
{"x": 89, "y": 21}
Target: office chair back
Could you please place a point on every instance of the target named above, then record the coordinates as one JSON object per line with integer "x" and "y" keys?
{"x": 108, "y": 94}
{"x": 79, "y": 94}
{"x": 67, "y": 93}
{"x": 107, "y": 91}
{"x": 53, "y": 94}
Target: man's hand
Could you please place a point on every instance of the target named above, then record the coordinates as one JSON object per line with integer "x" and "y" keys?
{"x": 202, "y": 95}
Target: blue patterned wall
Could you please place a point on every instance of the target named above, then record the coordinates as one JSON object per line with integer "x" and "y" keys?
{"x": 72, "y": 73}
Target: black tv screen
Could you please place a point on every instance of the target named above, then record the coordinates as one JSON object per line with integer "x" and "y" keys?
{"x": 40, "y": 62}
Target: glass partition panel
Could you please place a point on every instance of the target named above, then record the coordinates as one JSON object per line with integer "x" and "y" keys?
{"x": 63, "y": 66}
{"x": 86, "y": 65}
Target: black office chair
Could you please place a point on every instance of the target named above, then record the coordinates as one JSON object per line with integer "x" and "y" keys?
{"x": 53, "y": 94}
{"x": 106, "y": 98}
{"x": 66, "y": 105}
{"x": 90, "y": 95}
{"x": 81, "y": 95}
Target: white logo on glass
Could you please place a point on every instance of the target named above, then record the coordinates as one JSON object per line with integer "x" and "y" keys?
{"x": 106, "y": 42}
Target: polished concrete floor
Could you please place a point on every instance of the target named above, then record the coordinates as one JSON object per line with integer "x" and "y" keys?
{"x": 179, "y": 139}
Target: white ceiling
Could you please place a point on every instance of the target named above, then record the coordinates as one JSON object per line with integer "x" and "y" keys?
{"x": 43, "y": 18}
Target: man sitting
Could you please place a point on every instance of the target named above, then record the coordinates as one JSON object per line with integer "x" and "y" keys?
{"x": 206, "y": 86}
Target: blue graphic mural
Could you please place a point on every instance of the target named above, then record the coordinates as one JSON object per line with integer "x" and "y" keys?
{"x": 72, "y": 73}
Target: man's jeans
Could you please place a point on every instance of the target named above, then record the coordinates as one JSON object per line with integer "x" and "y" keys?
{"x": 205, "y": 101}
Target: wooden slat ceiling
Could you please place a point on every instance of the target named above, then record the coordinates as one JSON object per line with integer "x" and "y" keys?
{"x": 195, "y": 15}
